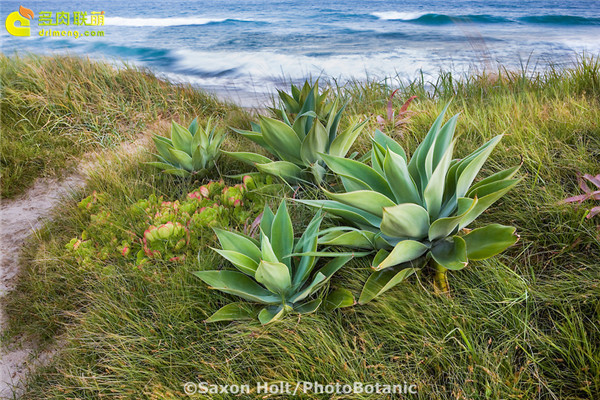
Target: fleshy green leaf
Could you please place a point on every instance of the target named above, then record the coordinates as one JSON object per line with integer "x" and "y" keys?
{"x": 233, "y": 312}
{"x": 490, "y": 240}
{"x": 249, "y": 158}
{"x": 404, "y": 251}
{"x": 382, "y": 281}
{"x": 434, "y": 191}
{"x": 270, "y": 314}
{"x": 400, "y": 181}
{"x": 282, "y": 139}
{"x": 275, "y": 276}
{"x": 181, "y": 137}
{"x": 344, "y": 141}
{"x": 309, "y": 307}
{"x": 239, "y": 284}
{"x": 356, "y": 215}
{"x": 451, "y": 254}
{"x": 467, "y": 174}
{"x": 282, "y": 235}
{"x": 443, "y": 227}
{"x": 358, "y": 171}
{"x": 314, "y": 143}
{"x": 339, "y": 298}
{"x": 241, "y": 261}
{"x": 366, "y": 200}
{"x": 282, "y": 169}
{"x": 405, "y": 221}
{"x": 238, "y": 242}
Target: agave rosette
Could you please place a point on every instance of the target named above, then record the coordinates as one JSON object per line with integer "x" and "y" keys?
{"x": 275, "y": 274}
{"x": 413, "y": 211}
{"x": 189, "y": 151}
{"x": 309, "y": 127}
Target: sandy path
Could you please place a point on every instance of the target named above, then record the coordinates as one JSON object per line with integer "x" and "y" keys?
{"x": 19, "y": 218}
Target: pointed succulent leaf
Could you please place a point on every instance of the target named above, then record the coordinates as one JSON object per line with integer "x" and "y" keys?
{"x": 355, "y": 215}
{"x": 266, "y": 221}
{"x": 248, "y": 158}
{"x": 488, "y": 197}
{"x": 387, "y": 142}
{"x": 451, "y": 253}
{"x": 233, "y": 312}
{"x": 344, "y": 141}
{"x": 241, "y": 261}
{"x": 467, "y": 174}
{"x": 443, "y": 140}
{"x": 238, "y": 242}
{"x": 417, "y": 163}
{"x": 318, "y": 279}
{"x": 406, "y": 220}
{"x": 181, "y": 137}
{"x": 160, "y": 165}
{"x": 366, "y": 200}
{"x": 162, "y": 146}
{"x": 270, "y": 314}
{"x": 315, "y": 142}
{"x": 498, "y": 176}
{"x": 282, "y": 235}
{"x": 444, "y": 227}
{"x": 309, "y": 307}
{"x": 490, "y": 240}
{"x": 238, "y": 284}
{"x": 307, "y": 243}
{"x": 357, "y": 170}
{"x": 356, "y": 238}
{"x": 282, "y": 169}
{"x": 267, "y": 253}
{"x": 275, "y": 276}
{"x": 382, "y": 281}
{"x": 194, "y": 127}
{"x": 338, "y": 298}
{"x": 177, "y": 172}
{"x": 182, "y": 158}
{"x": 434, "y": 191}
{"x": 404, "y": 251}
{"x": 282, "y": 139}
{"x": 401, "y": 183}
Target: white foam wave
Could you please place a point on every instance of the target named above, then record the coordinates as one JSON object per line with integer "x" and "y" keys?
{"x": 174, "y": 21}
{"x": 398, "y": 15}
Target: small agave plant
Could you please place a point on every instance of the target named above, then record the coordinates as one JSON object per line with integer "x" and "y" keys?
{"x": 415, "y": 211}
{"x": 276, "y": 274}
{"x": 308, "y": 128}
{"x": 191, "y": 151}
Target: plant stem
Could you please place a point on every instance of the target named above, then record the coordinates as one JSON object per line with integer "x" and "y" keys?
{"x": 440, "y": 278}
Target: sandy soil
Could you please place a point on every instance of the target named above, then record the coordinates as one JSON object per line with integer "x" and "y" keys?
{"x": 19, "y": 218}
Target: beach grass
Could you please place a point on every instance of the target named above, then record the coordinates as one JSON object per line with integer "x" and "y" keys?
{"x": 56, "y": 108}
{"x": 522, "y": 325}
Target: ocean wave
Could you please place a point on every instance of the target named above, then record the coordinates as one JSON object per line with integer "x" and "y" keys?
{"x": 560, "y": 20}
{"x": 442, "y": 19}
{"x": 174, "y": 21}
{"x": 437, "y": 19}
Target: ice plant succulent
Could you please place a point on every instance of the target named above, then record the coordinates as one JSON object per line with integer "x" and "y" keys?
{"x": 415, "y": 211}
{"x": 191, "y": 151}
{"x": 299, "y": 139}
{"x": 275, "y": 272}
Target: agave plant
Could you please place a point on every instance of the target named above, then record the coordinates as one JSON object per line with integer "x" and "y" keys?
{"x": 191, "y": 151}
{"x": 275, "y": 272}
{"x": 292, "y": 105}
{"x": 308, "y": 128}
{"x": 415, "y": 211}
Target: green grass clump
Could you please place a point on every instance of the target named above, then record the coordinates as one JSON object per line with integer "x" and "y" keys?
{"x": 53, "y": 109}
{"x": 525, "y": 324}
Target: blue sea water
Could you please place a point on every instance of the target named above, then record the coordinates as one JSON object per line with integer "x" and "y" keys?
{"x": 254, "y": 45}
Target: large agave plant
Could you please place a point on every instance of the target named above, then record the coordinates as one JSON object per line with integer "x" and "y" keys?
{"x": 276, "y": 273}
{"x": 309, "y": 127}
{"x": 414, "y": 211}
{"x": 191, "y": 151}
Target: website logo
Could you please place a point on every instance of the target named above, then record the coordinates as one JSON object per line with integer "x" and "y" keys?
{"x": 21, "y": 17}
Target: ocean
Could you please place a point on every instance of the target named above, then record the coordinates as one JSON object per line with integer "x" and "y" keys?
{"x": 252, "y": 46}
